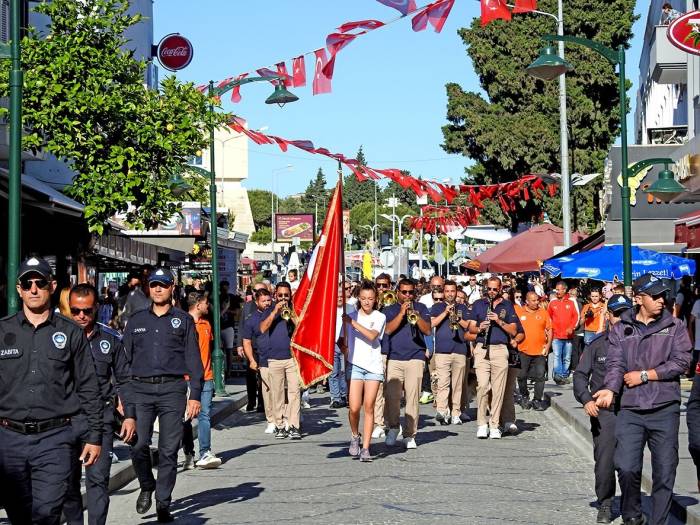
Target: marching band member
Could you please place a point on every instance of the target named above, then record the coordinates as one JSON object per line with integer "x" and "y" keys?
{"x": 407, "y": 323}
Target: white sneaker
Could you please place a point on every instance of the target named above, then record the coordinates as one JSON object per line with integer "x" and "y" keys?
{"x": 378, "y": 432}
{"x": 305, "y": 404}
{"x": 466, "y": 418}
{"x": 456, "y": 420}
{"x": 510, "y": 428}
{"x": 482, "y": 432}
{"x": 208, "y": 460}
{"x": 391, "y": 437}
{"x": 409, "y": 443}
{"x": 270, "y": 429}
{"x": 494, "y": 433}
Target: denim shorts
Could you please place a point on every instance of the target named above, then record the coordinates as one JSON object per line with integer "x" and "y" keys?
{"x": 360, "y": 374}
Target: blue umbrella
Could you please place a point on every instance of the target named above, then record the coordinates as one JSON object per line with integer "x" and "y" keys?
{"x": 605, "y": 264}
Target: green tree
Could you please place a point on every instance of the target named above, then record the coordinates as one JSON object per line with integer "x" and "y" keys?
{"x": 262, "y": 235}
{"x": 261, "y": 207}
{"x": 516, "y": 131}
{"x": 85, "y": 103}
{"x": 315, "y": 195}
{"x": 354, "y": 191}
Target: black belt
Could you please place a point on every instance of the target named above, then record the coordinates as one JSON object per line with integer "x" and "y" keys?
{"x": 34, "y": 427}
{"x": 157, "y": 379}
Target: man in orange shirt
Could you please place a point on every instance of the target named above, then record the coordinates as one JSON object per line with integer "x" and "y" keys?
{"x": 537, "y": 326}
{"x": 593, "y": 317}
{"x": 565, "y": 317}
{"x": 198, "y": 305}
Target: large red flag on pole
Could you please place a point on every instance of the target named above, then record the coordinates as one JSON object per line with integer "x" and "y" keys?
{"x": 315, "y": 302}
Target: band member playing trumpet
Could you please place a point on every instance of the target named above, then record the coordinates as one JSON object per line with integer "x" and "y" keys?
{"x": 278, "y": 323}
{"x": 386, "y": 297}
{"x": 407, "y": 322}
{"x": 450, "y": 320}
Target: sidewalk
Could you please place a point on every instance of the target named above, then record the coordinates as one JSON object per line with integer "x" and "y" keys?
{"x": 123, "y": 473}
{"x": 686, "y": 505}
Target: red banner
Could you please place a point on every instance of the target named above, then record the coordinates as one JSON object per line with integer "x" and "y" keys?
{"x": 322, "y": 83}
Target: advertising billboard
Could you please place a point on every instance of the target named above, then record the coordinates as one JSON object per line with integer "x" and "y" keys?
{"x": 186, "y": 223}
{"x": 289, "y": 226}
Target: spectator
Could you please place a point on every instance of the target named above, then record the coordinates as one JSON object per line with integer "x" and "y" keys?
{"x": 668, "y": 14}
{"x": 564, "y": 316}
{"x": 534, "y": 349}
{"x": 593, "y": 317}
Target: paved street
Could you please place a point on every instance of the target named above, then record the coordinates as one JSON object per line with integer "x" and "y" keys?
{"x": 538, "y": 477}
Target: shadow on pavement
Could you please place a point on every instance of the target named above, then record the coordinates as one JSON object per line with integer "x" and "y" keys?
{"x": 187, "y": 510}
{"x": 227, "y": 455}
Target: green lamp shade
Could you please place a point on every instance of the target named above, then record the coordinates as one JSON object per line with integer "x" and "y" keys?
{"x": 281, "y": 96}
{"x": 548, "y": 65}
{"x": 666, "y": 188}
{"x": 178, "y": 185}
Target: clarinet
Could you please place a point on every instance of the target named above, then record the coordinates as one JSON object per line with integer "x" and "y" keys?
{"x": 487, "y": 335}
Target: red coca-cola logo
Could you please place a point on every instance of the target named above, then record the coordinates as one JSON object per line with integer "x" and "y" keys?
{"x": 684, "y": 32}
{"x": 175, "y": 52}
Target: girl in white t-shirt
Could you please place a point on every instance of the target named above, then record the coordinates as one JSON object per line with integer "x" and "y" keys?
{"x": 364, "y": 329}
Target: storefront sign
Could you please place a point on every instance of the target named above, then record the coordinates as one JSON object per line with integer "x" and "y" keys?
{"x": 684, "y": 32}
{"x": 294, "y": 225}
{"x": 186, "y": 223}
{"x": 175, "y": 52}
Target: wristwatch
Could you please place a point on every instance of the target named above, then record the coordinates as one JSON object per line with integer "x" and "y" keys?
{"x": 644, "y": 376}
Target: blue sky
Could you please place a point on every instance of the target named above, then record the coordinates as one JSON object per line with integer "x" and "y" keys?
{"x": 388, "y": 87}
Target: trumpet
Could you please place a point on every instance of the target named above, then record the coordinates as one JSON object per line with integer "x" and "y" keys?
{"x": 287, "y": 313}
{"x": 387, "y": 298}
{"x": 411, "y": 315}
{"x": 454, "y": 320}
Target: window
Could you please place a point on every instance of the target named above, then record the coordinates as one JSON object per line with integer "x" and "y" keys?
{"x": 4, "y": 20}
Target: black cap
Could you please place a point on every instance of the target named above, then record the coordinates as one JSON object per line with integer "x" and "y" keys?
{"x": 35, "y": 265}
{"x": 161, "y": 275}
{"x": 650, "y": 284}
{"x": 619, "y": 302}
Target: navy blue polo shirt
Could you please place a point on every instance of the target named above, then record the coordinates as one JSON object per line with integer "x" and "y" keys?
{"x": 407, "y": 342}
{"x": 505, "y": 312}
{"x": 279, "y": 335}
{"x": 448, "y": 341}
{"x": 260, "y": 341}
{"x": 164, "y": 346}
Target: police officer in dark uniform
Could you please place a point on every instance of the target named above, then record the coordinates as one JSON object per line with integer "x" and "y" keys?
{"x": 113, "y": 375}
{"x": 589, "y": 377}
{"x": 649, "y": 350}
{"x": 161, "y": 346}
{"x": 46, "y": 376}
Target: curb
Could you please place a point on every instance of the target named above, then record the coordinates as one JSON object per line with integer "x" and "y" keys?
{"x": 124, "y": 472}
{"x": 683, "y": 513}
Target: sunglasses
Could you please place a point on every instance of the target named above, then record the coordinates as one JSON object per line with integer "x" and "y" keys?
{"x": 85, "y": 311}
{"x": 26, "y": 284}
{"x": 282, "y": 296}
{"x": 348, "y": 287}
{"x": 383, "y": 285}
{"x": 436, "y": 288}
{"x": 156, "y": 284}
{"x": 407, "y": 292}
{"x": 493, "y": 289}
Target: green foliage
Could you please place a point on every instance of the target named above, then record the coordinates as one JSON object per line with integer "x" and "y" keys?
{"x": 84, "y": 102}
{"x": 354, "y": 191}
{"x": 261, "y": 207}
{"x": 316, "y": 194}
{"x": 516, "y": 131}
{"x": 262, "y": 235}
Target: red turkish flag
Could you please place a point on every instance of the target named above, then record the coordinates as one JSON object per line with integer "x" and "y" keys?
{"x": 435, "y": 13}
{"x": 369, "y": 25}
{"x": 335, "y": 42}
{"x": 493, "y": 10}
{"x": 316, "y": 299}
{"x": 525, "y": 6}
{"x": 402, "y": 6}
{"x": 298, "y": 72}
{"x": 236, "y": 92}
{"x": 282, "y": 71}
{"x": 322, "y": 83}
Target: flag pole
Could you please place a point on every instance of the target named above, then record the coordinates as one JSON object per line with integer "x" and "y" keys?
{"x": 342, "y": 256}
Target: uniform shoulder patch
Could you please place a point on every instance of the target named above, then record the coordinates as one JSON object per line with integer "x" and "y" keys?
{"x": 59, "y": 340}
{"x": 176, "y": 322}
{"x": 105, "y": 346}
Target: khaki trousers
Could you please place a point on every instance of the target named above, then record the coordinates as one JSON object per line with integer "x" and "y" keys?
{"x": 379, "y": 403}
{"x": 406, "y": 376}
{"x": 450, "y": 374}
{"x": 466, "y": 387}
{"x": 491, "y": 376}
{"x": 508, "y": 409}
{"x": 267, "y": 393}
{"x": 281, "y": 371}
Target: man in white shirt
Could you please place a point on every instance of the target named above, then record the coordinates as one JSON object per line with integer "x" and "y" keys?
{"x": 429, "y": 386}
{"x": 436, "y": 283}
{"x": 472, "y": 290}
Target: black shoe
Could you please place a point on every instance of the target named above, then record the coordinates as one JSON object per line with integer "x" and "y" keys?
{"x": 250, "y": 408}
{"x": 164, "y": 515}
{"x": 604, "y": 514}
{"x": 641, "y": 520}
{"x": 525, "y": 403}
{"x": 260, "y": 408}
{"x": 294, "y": 433}
{"x": 281, "y": 433}
{"x": 539, "y": 405}
{"x": 336, "y": 404}
{"x": 143, "y": 502}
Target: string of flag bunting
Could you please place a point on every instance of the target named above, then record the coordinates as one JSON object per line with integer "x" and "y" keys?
{"x": 434, "y": 14}
{"x": 507, "y": 194}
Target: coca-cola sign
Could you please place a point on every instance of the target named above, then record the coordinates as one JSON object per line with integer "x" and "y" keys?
{"x": 175, "y": 52}
{"x": 684, "y": 32}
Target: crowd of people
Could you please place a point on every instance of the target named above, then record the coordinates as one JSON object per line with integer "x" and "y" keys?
{"x": 397, "y": 345}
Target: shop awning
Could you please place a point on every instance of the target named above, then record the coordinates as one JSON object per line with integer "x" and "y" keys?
{"x": 40, "y": 195}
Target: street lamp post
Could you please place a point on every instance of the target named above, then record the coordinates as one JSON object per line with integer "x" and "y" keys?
{"x": 272, "y": 210}
{"x": 395, "y": 218}
{"x": 372, "y": 230}
{"x": 14, "y": 190}
{"x": 280, "y": 96}
{"x": 549, "y": 66}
